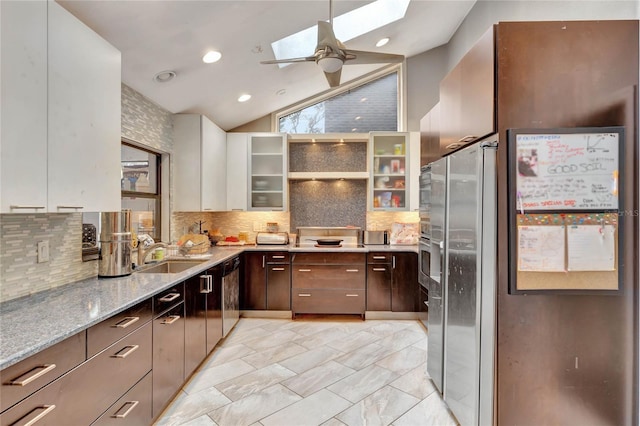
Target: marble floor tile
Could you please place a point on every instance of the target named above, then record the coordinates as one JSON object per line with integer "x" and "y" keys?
{"x": 401, "y": 339}
{"x": 273, "y": 355}
{"x": 422, "y": 344}
{"x": 322, "y": 338}
{"x": 203, "y": 420}
{"x": 310, "y": 359}
{"x": 385, "y": 328}
{"x": 404, "y": 360}
{"x": 354, "y": 341}
{"x": 267, "y": 340}
{"x": 317, "y": 378}
{"x": 188, "y": 407}
{"x": 379, "y": 409}
{"x": 430, "y": 411}
{"x": 310, "y": 411}
{"x": 362, "y": 383}
{"x": 242, "y": 335}
{"x": 416, "y": 382}
{"x": 333, "y": 422}
{"x": 210, "y": 377}
{"x": 364, "y": 356}
{"x": 255, "y": 381}
{"x": 254, "y": 407}
{"x": 227, "y": 353}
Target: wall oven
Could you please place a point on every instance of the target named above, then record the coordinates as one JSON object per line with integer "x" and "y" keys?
{"x": 424, "y": 261}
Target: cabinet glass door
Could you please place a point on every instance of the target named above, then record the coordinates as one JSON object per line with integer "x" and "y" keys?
{"x": 267, "y": 172}
{"x": 388, "y": 182}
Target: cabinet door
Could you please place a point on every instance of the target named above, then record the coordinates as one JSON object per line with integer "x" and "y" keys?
{"x": 279, "y": 287}
{"x": 378, "y": 287}
{"x": 134, "y": 408}
{"x": 404, "y": 291}
{"x": 214, "y": 167}
{"x": 23, "y": 110}
{"x": 84, "y": 117}
{"x": 237, "y": 158}
{"x": 267, "y": 166}
{"x": 214, "y": 311}
{"x": 389, "y": 171}
{"x": 168, "y": 356}
{"x": 254, "y": 288}
{"x": 195, "y": 322}
{"x": 430, "y": 136}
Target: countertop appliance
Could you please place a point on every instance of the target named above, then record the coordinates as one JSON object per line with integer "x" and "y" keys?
{"x": 230, "y": 271}
{"x": 307, "y": 236}
{"x": 375, "y": 237}
{"x": 461, "y": 349}
{"x": 115, "y": 244}
{"x": 273, "y": 238}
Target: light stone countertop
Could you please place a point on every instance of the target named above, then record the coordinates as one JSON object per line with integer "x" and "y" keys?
{"x": 31, "y": 324}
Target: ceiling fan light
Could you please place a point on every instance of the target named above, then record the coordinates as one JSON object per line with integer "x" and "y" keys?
{"x": 330, "y": 64}
{"x": 382, "y": 42}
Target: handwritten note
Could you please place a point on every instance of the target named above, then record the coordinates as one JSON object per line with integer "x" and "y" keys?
{"x": 567, "y": 171}
{"x": 541, "y": 248}
{"x": 591, "y": 248}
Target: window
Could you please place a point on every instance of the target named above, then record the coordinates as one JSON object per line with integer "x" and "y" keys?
{"x": 370, "y": 107}
{"x": 140, "y": 184}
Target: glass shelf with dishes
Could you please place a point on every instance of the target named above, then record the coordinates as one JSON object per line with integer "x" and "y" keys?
{"x": 267, "y": 171}
{"x": 388, "y": 182}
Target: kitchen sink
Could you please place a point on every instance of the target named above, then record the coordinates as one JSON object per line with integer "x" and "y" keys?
{"x": 170, "y": 267}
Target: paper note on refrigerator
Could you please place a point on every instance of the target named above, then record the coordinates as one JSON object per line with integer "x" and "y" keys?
{"x": 591, "y": 248}
{"x": 541, "y": 248}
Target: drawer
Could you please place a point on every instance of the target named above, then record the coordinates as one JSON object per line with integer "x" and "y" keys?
{"x": 36, "y": 371}
{"x": 278, "y": 257}
{"x": 329, "y": 276}
{"x": 134, "y": 408}
{"x": 83, "y": 394}
{"x": 379, "y": 257}
{"x": 168, "y": 298}
{"x": 323, "y": 301}
{"x": 115, "y": 328}
{"x": 336, "y": 258}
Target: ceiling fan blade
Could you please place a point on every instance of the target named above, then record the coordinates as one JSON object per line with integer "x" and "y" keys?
{"x": 362, "y": 57}
{"x": 326, "y": 37}
{"x": 290, "y": 60}
{"x": 333, "y": 78}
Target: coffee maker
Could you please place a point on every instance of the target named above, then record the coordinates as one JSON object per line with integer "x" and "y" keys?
{"x": 115, "y": 244}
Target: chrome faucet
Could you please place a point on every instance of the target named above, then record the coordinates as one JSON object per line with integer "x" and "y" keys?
{"x": 143, "y": 252}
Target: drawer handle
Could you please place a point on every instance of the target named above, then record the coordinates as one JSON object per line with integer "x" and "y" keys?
{"x": 70, "y": 207}
{"x": 277, "y": 269}
{"x": 45, "y": 369}
{"x": 121, "y": 415}
{"x": 352, "y": 295}
{"x": 304, "y": 295}
{"x": 426, "y": 303}
{"x": 18, "y": 207}
{"x": 379, "y": 257}
{"x": 169, "y": 297}
{"x": 126, "y": 322}
{"x": 170, "y": 319}
{"x": 380, "y": 269}
{"x": 129, "y": 349}
{"x": 46, "y": 410}
{"x": 304, "y": 270}
{"x": 353, "y": 270}
{"x": 278, "y": 257}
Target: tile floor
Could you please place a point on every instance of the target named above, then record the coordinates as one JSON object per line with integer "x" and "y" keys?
{"x": 313, "y": 371}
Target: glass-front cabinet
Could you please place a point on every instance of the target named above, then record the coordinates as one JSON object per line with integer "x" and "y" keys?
{"x": 267, "y": 171}
{"x": 389, "y": 181}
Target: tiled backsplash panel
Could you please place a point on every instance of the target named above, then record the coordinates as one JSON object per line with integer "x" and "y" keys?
{"x": 328, "y": 203}
{"x": 20, "y": 272}
{"x": 328, "y": 157}
{"x": 379, "y": 221}
{"x": 145, "y": 122}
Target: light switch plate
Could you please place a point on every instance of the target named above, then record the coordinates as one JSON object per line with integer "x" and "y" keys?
{"x": 43, "y": 251}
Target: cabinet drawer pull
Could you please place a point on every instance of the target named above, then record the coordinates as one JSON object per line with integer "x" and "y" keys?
{"x": 277, "y": 269}
{"x": 426, "y": 303}
{"x": 352, "y": 295}
{"x": 19, "y": 207}
{"x": 25, "y": 421}
{"x": 170, "y": 319}
{"x": 304, "y": 270}
{"x": 352, "y": 270}
{"x": 304, "y": 295}
{"x": 44, "y": 370}
{"x": 379, "y": 257}
{"x": 380, "y": 269}
{"x": 206, "y": 285}
{"x": 169, "y": 297}
{"x": 278, "y": 257}
{"x": 128, "y": 350}
{"x": 71, "y": 207}
{"x": 122, "y": 414}
{"x": 126, "y": 322}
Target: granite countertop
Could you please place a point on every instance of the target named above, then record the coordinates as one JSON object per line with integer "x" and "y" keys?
{"x": 33, "y": 323}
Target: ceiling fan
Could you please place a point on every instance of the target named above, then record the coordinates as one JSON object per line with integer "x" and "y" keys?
{"x": 331, "y": 53}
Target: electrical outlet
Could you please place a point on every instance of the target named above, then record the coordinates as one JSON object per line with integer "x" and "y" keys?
{"x": 43, "y": 251}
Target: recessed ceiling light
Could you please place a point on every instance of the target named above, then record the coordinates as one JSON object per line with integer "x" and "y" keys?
{"x": 164, "y": 76}
{"x": 357, "y": 118}
{"x": 211, "y": 57}
{"x": 281, "y": 92}
{"x": 244, "y": 98}
{"x": 363, "y": 100}
{"x": 382, "y": 42}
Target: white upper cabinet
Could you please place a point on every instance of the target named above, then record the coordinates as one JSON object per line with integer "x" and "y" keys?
{"x": 23, "y": 108}
{"x": 237, "y": 159}
{"x": 268, "y": 168}
{"x": 60, "y": 113}
{"x": 200, "y": 164}
{"x": 84, "y": 117}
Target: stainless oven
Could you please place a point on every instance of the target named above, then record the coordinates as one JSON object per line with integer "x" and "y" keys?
{"x": 424, "y": 262}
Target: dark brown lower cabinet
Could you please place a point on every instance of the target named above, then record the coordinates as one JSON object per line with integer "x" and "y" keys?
{"x": 134, "y": 408}
{"x": 195, "y": 322}
{"x": 214, "y": 311}
{"x": 379, "y": 268}
{"x": 266, "y": 281}
{"x": 404, "y": 282}
{"x": 254, "y": 283}
{"x": 168, "y": 356}
{"x": 279, "y": 287}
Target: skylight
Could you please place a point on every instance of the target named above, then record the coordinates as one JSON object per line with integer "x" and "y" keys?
{"x": 346, "y": 27}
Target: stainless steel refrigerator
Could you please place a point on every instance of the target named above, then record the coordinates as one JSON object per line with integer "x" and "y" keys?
{"x": 461, "y": 347}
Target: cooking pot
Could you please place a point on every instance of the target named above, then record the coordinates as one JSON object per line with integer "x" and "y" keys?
{"x": 326, "y": 241}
